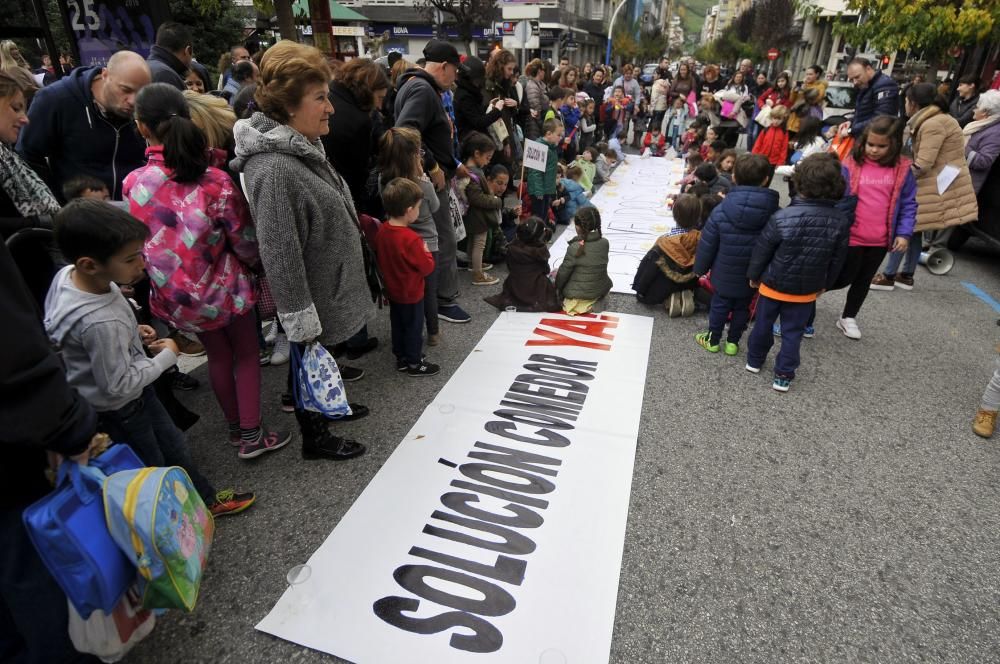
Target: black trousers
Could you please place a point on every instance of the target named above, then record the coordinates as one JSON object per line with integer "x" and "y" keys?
{"x": 861, "y": 265}
{"x": 407, "y": 331}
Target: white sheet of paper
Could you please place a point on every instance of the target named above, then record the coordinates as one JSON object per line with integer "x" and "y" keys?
{"x": 946, "y": 177}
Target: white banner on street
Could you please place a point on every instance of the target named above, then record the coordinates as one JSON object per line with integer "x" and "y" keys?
{"x": 494, "y": 532}
{"x": 634, "y": 213}
{"x": 536, "y": 154}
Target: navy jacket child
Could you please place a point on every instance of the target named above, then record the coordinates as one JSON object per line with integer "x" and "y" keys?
{"x": 727, "y": 241}
{"x": 798, "y": 256}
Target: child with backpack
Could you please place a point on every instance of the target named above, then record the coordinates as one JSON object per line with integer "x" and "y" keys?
{"x": 102, "y": 346}
{"x": 527, "y": 286}
{"x": 583, "y": 278}
{"x": 200, "y": 256}
{"x": 798, "y": 256}
{"x": 724, "y": 250}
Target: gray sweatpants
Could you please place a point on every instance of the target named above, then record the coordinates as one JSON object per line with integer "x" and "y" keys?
{"x": 991, "y": 397}
{"x": 447, "y": 267}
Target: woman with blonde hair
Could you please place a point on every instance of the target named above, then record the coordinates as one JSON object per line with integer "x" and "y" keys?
{"x": 214, "y": 117}
{"x": 309, "y": 234}
{"x": 10, "y": 56}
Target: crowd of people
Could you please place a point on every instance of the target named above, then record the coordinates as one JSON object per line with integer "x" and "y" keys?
{"x": 150, "y": 211}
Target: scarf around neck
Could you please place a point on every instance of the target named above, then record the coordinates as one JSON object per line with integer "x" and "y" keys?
{"x": 978, "y": 125}
{"x": 22, "y": 185}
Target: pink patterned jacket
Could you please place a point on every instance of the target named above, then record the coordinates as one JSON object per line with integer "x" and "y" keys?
{"x": 201, "y": 248}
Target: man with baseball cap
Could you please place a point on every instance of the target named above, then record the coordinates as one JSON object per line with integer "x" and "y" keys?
{"x": 419, "y": 105}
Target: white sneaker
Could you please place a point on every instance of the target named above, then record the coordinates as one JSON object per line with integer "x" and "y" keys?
{"x": 270, "y": 332}
{"x": 282, "y": 351}
{"x": 849, "y": 327}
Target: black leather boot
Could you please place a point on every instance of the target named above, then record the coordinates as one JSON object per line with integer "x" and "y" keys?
{"x": 319, "y": 443}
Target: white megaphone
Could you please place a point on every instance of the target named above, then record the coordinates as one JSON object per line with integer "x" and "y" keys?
{"x": 937, "y": 260}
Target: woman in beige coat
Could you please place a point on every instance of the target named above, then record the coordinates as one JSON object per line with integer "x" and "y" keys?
{"x": 937, "y": 144}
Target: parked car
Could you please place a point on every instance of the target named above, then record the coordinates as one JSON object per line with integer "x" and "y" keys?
{"x": 646, "y": 77}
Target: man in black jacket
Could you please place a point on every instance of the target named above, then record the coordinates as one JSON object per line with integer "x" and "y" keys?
{"x": 418, "y": 105}
{"x": 170, "y": 57}
{"x": 83, "y": 125}
{"x": 39, "y": 414}
{"x": 878, "y": 94}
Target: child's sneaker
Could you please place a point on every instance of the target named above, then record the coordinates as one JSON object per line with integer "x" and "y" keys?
{"x": 228, "y": 501}
{"x": 401, "y": 365}
{"x": 484, "y": 280}
{"x": 731, "y": 349}
{"x": 752, "y": 369}
{"x": 265, "y": 356}
{"x": 984, "y": 423}
{"x": 287, "y": 403}
{"x": 704, "y": 340}
{"x": 809, "y": 332}
{"x": 269, "y": 441}
{"x": 687, "y": 303}
{"x": 781, "y": 384}
{"x": 849, "y": 327}
{"x": 776, "y": 330}
{"x": 423, "y": 369}
{"x": 883, "y": 282}
{"x": 904, "y": 281}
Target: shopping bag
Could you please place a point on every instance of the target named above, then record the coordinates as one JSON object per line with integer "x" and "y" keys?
{"x": 764, "y": 117}
{"x": 157, "y": 518}
{"x": 456, "y": 215}
{"x": 69, "y": 531}
{"x": 729, "y": 110}
{"x": 316, "y": 382}
{"x": 109, "y": 636}
{"x": 842, "y": 146}
{"x": 266, "y": 307}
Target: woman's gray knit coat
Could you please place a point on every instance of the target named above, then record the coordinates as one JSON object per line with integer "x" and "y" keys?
{"x": 310, "y": 243}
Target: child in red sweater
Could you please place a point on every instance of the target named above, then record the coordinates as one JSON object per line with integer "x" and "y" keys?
{"x": 405, "y": 261}
{"x": 773, "y": 143}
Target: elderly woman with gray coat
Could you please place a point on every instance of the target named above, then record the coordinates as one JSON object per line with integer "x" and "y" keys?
{"x": 309, "y": 234}
{"x": 982, "y": 146}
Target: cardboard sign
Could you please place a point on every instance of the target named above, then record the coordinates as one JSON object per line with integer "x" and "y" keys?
{"x": 494, "y": 532}
{"x": 535, "y": 155}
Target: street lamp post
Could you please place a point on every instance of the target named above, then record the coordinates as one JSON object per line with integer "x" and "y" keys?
{"x": 611, "y": 30}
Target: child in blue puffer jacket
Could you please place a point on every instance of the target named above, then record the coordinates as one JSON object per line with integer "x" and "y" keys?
{"x": 574, "y": 194}
{"x": 726, "y": 243}
{"x": 798, "y": 256}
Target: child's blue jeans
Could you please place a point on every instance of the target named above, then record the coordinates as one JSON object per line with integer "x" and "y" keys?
{"x": 146, "y": 427}
{"x": 793, "y": 324}
{"x": 912, "y": 256}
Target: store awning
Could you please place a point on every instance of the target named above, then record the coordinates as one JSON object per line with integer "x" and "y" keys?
{"x": 338, "y": 12}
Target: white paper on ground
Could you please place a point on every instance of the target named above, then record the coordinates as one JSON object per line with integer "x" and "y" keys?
{"x": 634, "y": 214}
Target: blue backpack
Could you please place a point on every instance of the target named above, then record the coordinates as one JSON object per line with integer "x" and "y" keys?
{"x": 71, "y": 535}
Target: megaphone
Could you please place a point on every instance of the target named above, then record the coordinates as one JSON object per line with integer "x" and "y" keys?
{"x": 937, "y": 260}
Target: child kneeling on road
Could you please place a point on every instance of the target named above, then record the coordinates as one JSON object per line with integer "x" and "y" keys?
{"x": 102, "y": 345}
{"x": 527, "y": 286}
{"x": 666, "y": 273}
{"x": 583, "y": 278}
{"x": 798, "y": 256}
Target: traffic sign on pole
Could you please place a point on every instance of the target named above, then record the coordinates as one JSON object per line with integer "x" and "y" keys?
{"x": 522, "y": 33}
{"x": 773, "y": 54}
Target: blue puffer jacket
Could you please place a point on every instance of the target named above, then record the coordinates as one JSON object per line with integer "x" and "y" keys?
{"x": 729, "y": 236}
{"x": 802, "y": 248}
{"x": 881, "y": 97}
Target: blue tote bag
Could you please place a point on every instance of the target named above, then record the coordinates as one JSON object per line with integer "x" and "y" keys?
{"x": 71, "y": 535}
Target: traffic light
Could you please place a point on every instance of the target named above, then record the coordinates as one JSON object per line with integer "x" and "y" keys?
{"x": 885, "y": 60}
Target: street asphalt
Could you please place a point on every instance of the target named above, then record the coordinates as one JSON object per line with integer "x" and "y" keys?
{"x": 854, "y": 519}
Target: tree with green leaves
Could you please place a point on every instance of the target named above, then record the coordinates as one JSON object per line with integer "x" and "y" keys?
{"x": 929, "y": 25}
{"x": 217, "y": 24}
